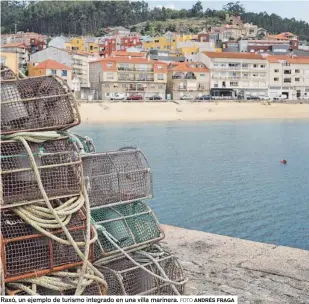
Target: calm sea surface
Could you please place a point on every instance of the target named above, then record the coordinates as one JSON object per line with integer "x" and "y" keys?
{"x": 224, "y": 177}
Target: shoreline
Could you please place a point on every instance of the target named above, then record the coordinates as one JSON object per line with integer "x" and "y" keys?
{"x": 123, "y": 112}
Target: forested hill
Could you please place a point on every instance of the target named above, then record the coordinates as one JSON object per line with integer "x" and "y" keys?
{"x": 91, "y": 17}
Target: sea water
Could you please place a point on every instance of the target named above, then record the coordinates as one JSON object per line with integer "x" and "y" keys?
{"x": 224, "y": 177}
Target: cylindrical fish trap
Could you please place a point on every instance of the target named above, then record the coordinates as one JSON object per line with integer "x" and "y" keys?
{"x": 124, "y": 277}
{"x": 118, "y": 177}
{"x": 130, "y": 226}
{"x": 37, "y": 104}
{"x": 83, "y": 143}
{"x": 7, "y": 73}
{"x": 26, "y": 253}
{"x": 55, "y": 284}
{"x": 94, "y": 289}
{"x": 59, "y": 165}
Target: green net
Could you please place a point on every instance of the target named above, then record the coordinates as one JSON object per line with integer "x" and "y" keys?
{"x": 131, "y": 225}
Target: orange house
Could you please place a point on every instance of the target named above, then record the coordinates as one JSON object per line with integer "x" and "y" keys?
{"x": 51, "y": 67}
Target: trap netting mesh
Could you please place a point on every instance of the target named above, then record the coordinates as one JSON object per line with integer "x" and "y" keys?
{"x": 126, "y": 278}
{"x": 133, "y": 225}
{"x": 57, "y": 283}
{"x": 115, "y": 177}
{"x": 6, "y": 73}
{"x": 26, "y": 252}
{"x": 59, "y": 165}
{"x": 37, "y": 103}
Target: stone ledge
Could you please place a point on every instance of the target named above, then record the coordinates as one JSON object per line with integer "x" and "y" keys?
{"x": 255, "y": 272}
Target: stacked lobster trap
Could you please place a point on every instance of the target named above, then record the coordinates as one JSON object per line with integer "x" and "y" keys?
{"x": 73, "y": 220}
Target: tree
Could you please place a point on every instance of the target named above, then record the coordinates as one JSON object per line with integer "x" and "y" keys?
{"x": 197, "y": 9}
{"x": 234, "y": 7}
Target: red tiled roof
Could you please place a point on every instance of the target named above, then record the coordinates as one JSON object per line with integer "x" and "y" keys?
{"x": 295, "y": 60}
{"x": 183, "y": 66}
{"x": 233, "y": 55}
{"x": 14, "y": 45}
{"x": 52, "y": 65}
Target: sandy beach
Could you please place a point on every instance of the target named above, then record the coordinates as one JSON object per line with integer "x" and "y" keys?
{"x": 168, "y": 111}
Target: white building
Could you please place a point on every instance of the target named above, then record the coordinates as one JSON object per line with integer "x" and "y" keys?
{"x": 236, "y": 74}
{"x": 288, "y": 76}
{"x": 79, "y": 61}
{"x": 58, "y": 42}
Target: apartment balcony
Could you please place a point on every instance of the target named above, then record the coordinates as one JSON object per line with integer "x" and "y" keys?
{"x": 136, "y": 89}
{"x": 180, "y": 88}
{"x": 226, "y": 77}
{"x": 183, "y": 77}
{"x": 135, "y": 79}
{"x": 135, "y": 70}
{"x": 228, "y": 68}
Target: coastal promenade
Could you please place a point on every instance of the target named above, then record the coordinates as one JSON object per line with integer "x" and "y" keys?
{"x": 118, "y": 112}
{"x": 257, "y": 273}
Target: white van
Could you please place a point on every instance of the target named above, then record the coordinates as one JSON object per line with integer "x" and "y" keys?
{"x": 280, "y": 98}
{"x": 118, "y": 96}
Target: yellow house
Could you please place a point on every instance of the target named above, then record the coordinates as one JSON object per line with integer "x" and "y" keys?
{"x": 51, "y": 67}
{"x": 76, "y": 44}
{"x": 11, "y": 60}
{"x": 161, "y": 43}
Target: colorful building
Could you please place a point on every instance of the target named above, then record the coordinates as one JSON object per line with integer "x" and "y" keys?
{"x": 160, "y": 43}
{"x": 51, "y": 67}
{"x": 11, "y": 60}
{"x": 127, "y": 76}
{"x": 188, "y": 79}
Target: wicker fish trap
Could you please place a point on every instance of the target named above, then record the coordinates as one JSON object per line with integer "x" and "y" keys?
{"x": 6, "y": 73}
{"x": 59, "y": 165}
{"x": 117, "y": 177}
{"x": 37, "y": 103}
{"x": 131, "y": 226}
{"x": 27, "y": 253}
{"x": 124, "y": 277}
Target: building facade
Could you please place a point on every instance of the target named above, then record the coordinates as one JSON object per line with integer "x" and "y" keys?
{"x": 21, "y": 52}
{"x": 236, "y": 74}
{"x": 51, "y": 67}
{"x": 127, "y": 76}
{"x": 188, "y": 79}
{"x": 288, "y": 76}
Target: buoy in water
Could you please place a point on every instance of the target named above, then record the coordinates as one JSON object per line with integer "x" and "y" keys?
{"x": 284, "y": 162}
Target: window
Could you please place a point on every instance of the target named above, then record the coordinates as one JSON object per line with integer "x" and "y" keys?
{"x": 245, "y": 65}
{"x": 234, "y": 84}
{"x": 156, "y": 41}
{"x": 160, "y": 76}
{"x": 255, "y": 65}
{"x": 124, "y": 85}
{"x": 297, "y": 79}
{"x": 262, "y": 66}
{"x": 287, "y": 80}
{"x": 110, "y": 76}
{"x": 276, "y": 79}
{"x": 54, "y": 72}
{"x": 215, "y": 85}
{"x": 106, "y": 85}
{"x": 276, "y": 71}
{"x": 287, "y": 71}
{"x": 64, "y": 73}
{"x": 202, "y": 75}
{"x": 255, "y": 75}
{"x": 297, "y": 71}
{"x": 160, "y": 67}
{"x": 109, "y": 64}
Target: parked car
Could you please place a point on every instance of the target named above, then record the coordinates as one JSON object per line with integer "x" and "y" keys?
{"x": 203, "y": 97}
{"x": 118, "y": 96}
{"x": 155, "y": 97}
{"x": 135, "y": 97}
{"x": 280, "y": 98}
{"x": 186, "y": 97}
{"x": 253, "y": 98}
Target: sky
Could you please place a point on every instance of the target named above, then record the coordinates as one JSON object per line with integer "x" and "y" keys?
{"x": 298, "y": 9}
